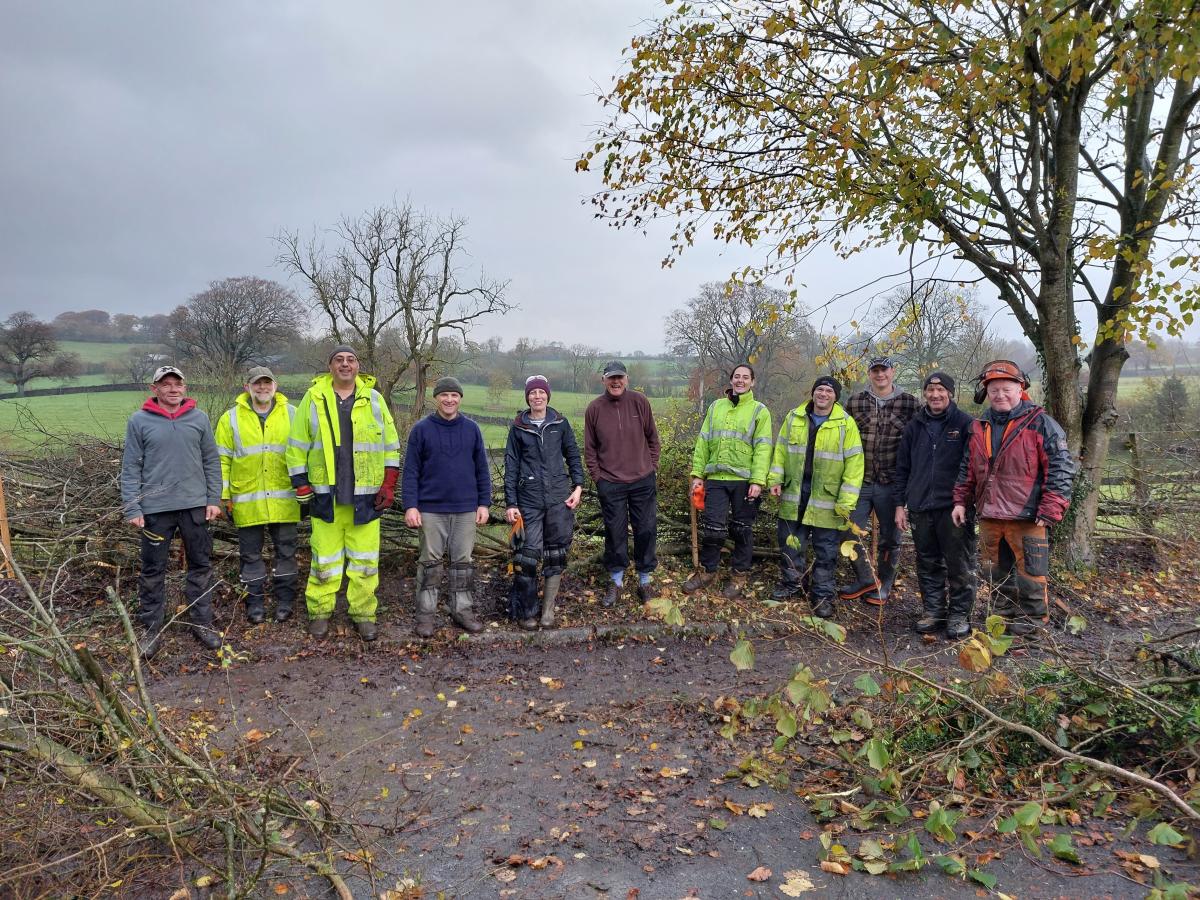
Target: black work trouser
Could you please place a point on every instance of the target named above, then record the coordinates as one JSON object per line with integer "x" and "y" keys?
{"x": 253, "y": 571}
{"x": 794, "y": 540}
{"x": 157, "y": 534}
{"x": 944, "y": 564}
{"x": 623, "y": 504}
{"x": 727, "y": 510}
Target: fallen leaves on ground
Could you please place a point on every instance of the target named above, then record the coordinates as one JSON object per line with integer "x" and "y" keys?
{"x": 762, "y": 873}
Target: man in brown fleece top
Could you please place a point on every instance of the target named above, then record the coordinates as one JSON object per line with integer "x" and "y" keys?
{"x": 620, "y": 447}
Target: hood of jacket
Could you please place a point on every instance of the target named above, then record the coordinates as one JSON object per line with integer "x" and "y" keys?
{"x": 522, "y": 418}
{"x": 325, "y": 381}
{"x": 152, "y": 406}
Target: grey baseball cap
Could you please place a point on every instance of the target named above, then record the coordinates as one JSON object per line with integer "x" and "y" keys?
{"x": 614, "y": 367}
{"x": 259, "y": 372}
{"x": 163, "y": 371}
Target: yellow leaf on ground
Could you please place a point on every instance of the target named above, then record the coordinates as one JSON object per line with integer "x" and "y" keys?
{"x": 668, "y": 772}
{"x": 797, "y": 883}
{"x": 759, "y": 810}
{"x": 834, "y": 868}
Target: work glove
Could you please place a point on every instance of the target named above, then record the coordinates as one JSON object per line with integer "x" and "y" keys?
{"x": 229, "y": 509}
{"x": 386, "y": 495}
{"x": 304, "y": 493}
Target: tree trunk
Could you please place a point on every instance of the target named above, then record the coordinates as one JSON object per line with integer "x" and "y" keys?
{"x": 1098, "y": 419}
{"x": 421, "y": 388}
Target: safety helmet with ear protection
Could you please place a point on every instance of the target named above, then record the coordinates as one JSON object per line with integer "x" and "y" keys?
{"x": 997, "y": 370}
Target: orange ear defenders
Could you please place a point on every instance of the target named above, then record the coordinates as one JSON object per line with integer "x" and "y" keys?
{"x": 996, "y": 369}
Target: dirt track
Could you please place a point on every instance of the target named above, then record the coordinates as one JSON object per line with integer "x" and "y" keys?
{"x": 496, "y": 768}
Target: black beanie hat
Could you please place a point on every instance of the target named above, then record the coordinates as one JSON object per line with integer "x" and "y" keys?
{"x": 941, "y": 378}
{"x": 832, "y": 382}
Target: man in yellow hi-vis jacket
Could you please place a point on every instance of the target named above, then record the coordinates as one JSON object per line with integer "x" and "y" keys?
{"x": 252, "y": 439}
{"x": 343, "y": 457}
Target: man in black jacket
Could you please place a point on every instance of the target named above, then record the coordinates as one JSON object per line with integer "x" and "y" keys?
{"x": 927, "y": 464}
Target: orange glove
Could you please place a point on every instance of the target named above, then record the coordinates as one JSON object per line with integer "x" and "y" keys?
{"x": 698, "y": 496}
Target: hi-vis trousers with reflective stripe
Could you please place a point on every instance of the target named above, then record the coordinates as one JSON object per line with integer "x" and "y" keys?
{"x": 341, "y": 546}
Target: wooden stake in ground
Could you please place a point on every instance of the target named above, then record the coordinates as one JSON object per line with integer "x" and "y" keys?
{"x": 6, "y": 568}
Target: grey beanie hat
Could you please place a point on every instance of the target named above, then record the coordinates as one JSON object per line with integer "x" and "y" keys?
{"x": 448, "y": 384}
{"x": 341, "y": 348}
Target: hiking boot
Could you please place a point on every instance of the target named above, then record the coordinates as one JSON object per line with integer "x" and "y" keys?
{"x": 528, "y": 624}
{"x": 467, "y": 622}
{"x": 367, "y": 630}
{"x": 425, "y": 628}
{"x": 255, "y": 614}
{"x": 867, "y": 591}
{"x": 823, "y": 609}
{"x": 700, "y": 579}
{"x": 283, "y": 613}
{"x": 609, "y": 600}
{"x": 646, "y": 591}
{"x": 318, "y": 628}
{"x": 929, "y": 624}
{"x": 735, "y": 588}
{"x": 149, "y": 645}
{"x": 1021, "y": 627}
{"x": 785, "y": 590}
{"x": 208, "y": 638}
{"x": 957, "y": 628}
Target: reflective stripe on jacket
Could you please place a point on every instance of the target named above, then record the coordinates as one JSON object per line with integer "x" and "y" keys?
{"x": 316, "y": 435}
{"x": 734, "y": 442}
{"x": 837, "y": 473}
{"x": 254, "y": 472}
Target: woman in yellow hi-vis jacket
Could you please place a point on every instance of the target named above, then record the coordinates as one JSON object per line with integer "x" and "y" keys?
{"x": 344, "y": 460}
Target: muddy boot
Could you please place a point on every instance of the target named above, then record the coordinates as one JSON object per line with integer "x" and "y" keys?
{"x": 462, "y": 585}
{"x": 429, "y": 573}
{"x": 958, "y": 619}
{"x": 609, "y": 600}
{"x": 934, "y": 618}
{"x": 823, "y": 608}
{"x": 700, "y": 579}
{"x": 150, "y": 643}
{"x": 886, "y": 573}
{"x": 285, "y": 596}
{"x": 367, "y": 630}
{"x": 318, "y": 628}
{"x": 207, "y": 636}
{"x": 255, "y": 604}
{"x": 735, "y": 588}
{"x": 549, "y": 595}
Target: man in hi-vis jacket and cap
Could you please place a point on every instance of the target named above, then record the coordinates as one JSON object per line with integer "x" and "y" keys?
{"x": 252, "y": 440}
{"x": 343, "y": 457}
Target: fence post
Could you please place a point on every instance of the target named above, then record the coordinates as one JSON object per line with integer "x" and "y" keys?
{"x": 1143, "y": 514}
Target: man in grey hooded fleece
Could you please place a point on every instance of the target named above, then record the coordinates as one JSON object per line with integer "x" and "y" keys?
{"x": 171, "y": 483}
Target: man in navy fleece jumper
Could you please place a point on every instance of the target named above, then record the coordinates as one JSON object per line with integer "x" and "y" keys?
{"x": 446, "y": 491}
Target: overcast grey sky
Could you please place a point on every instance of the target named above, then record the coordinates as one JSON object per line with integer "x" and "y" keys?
{"x": 152, "y": 147}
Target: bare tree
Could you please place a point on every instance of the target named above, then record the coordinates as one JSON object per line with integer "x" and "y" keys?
{"x": 29, "y": 350}
{"x": 235, "y": 322}
{"x": 582, "y": 363}
{"x": 933, "y": 325}
{"x": 725, "y": 325}
{"x": 136, "y": 365}
{"x": 394, "y": 268}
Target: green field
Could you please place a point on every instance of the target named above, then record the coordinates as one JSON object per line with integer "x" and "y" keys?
{"x": 34, "y": 421}
{"x": 96, "y": 352}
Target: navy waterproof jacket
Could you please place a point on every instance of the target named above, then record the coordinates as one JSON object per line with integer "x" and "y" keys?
{"x": 541, "y": 466}
{"x": 928, "y": 460}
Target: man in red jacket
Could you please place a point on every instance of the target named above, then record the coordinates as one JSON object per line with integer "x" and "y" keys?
{"x": 1017, "y": 473}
